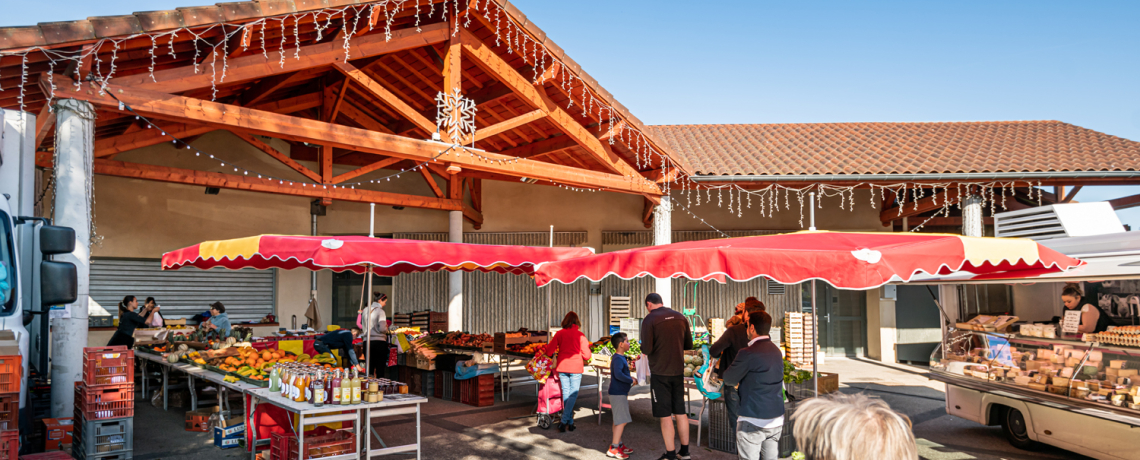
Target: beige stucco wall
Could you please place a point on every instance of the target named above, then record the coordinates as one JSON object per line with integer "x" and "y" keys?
{"x": 144, "y": 219}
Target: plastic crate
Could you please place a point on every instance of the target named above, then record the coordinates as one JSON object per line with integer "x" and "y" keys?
{"x": 117, "y": 402}
{"x": 445, "y": 386}
{"x": 103, "y": 437}
{"x": 478, "y": 391}
{"x": 722, "y": 436}
{"x": 278, "y": 445}
{"x": 328, "y": 445}
{"x": 108, "y": 365}
{"x": 787, "y": 443}
{"x": 11, "y": 373}
{"x": 9, "y": 444}
{"x": 9, "y": 411}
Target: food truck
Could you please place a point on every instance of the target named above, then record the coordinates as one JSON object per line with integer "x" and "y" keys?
{"x": 1022, "y": 365}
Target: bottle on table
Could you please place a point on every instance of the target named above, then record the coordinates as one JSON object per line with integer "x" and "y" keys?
{"x": 318, "y": 391}
{"x": 274, "y": 379}
{"x": 335, "y": 388}
{"x": 355, "y": 387}
{"x": 346, "y": 390}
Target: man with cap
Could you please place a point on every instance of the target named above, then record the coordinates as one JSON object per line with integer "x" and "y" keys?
{"x": 665, "y": 335}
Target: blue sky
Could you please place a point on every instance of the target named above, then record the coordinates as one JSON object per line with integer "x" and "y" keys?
{"x": 674, "y": 62}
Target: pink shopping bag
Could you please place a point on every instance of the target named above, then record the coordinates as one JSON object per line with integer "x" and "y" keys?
{"x": 550, "y": 397}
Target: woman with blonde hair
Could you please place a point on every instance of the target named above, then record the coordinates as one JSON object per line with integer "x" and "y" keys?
{"x": 852, "y": 427}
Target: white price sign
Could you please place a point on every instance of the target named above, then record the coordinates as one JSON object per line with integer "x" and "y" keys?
{"x": 1071, "y": 321}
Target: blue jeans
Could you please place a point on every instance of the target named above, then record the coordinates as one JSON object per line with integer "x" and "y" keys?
{"x": 731, "y": 403}
{"x": 345, "y": 353}
{"x": 570, "y": 384}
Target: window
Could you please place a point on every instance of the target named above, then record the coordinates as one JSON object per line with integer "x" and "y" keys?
{"x": 7, "y": 266}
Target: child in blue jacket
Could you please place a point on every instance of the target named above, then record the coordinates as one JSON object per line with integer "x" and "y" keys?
{"x": 619, "y": 394}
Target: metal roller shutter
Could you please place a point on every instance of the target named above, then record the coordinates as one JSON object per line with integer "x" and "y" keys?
{"x": 248, "y": 294}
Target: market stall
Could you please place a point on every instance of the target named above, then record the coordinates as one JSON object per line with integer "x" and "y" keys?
{"x": 1039, "y": 379}
{"x": 384, "y": 257}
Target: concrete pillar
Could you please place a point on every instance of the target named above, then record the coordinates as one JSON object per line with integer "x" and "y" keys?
{"x": 455, "y": 279}
{"x": 75, "y": 129}
{"x": 972, "y": 216}
{"x": 663, "y": 234}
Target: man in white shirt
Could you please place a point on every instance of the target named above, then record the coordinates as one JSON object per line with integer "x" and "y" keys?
{"x": 759, "y": 372}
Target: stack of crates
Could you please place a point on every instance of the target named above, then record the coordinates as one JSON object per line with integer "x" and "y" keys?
{"x": 799, "y": 337}
{"x": 478, "y": 391}
{"x": 11, "y": 372}
{"x": 105, "y": 405}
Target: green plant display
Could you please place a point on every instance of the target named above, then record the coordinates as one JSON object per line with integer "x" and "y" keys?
{"x": 793, "y": 375}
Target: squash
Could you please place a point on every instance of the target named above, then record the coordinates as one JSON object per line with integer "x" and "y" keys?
{"x": 172, "y": 358}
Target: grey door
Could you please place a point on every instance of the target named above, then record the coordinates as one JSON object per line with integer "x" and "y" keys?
{"x": 842, "y": 319}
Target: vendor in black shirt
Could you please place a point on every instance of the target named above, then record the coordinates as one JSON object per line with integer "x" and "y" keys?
{"x": 129, "y": 320}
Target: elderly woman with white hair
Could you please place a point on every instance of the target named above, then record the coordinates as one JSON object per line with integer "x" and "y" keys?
{"x": 852, "y": 427}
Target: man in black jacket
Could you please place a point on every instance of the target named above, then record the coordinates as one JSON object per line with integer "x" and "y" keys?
{"x": 665, "y": 335}
{"x": 342, "y": 340}
{"x": 759, "y": 372}
{"x": 734, "y": 339}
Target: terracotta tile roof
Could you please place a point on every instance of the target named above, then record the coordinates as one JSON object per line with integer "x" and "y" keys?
{"x": 897, "y": 148}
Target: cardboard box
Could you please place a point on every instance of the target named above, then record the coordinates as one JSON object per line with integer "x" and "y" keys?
{"x": 198, "y": 420}
{"x": 230, "y": 434}
{"x": 1116, "y": 364}
{"x": 1127, "y": 372}
{"x": 57, "y": 432}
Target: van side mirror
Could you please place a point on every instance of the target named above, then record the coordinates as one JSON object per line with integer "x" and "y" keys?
{"x": 59, "y": 281}
{"x": 56, "y": 240}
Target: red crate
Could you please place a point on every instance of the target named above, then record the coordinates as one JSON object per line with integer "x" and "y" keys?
{"x": 278, "y": 445}
{"x": 9, "y": 444}
{"x": 108, "y": 365}
{"x": 11, "y": 373}
{"x": 88, "y": 411}
{"x": 9, "y": 411}
{"x": 107, "y": 393}
{"x": 328, "y": 445}
{"x": 478, "y": 391}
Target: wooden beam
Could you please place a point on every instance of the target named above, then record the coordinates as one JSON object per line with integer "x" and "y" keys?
{"x": 291, "y": 105}
{"x": 1073, "y": 194}
{"x": 490, "y": 93}
{"x": 614, "y": 130}
{"x": 660, "y": 177}
{"x": 284, "y": 159}
{"x": 45, "y": 122}
{"x": 105, "y": 148}
{"x": 453, "y": 75}
{"x": 366, "y": 169}
{"x": 256, "y": 65}
{"x": 490, "y": 61}
{"x": 235, "y": 182}
{"x": 374, "y": 88}
{"x": 647, "y": 213}
{"x": 476, "y": 185}
{"x": 332, "y": 108}
{"x": 474, "y": 216}
{"x": 266, "y": 86}
{"x": 431, "y": 182}
{"x": 289, "y": 128}
{"x": 927, "y": 204}
{"x": 543, "y": 147}
{"x": 1125, "y": 202}
{"x": 455, "y": 187}
{"x": 326, "y": 162}
{"x": 357, "y": 115}
{"x": 508, "y": 125}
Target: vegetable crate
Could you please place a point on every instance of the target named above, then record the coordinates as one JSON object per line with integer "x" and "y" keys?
{"x": 9, "y": 411}
{"x": 478, "y": 391}
{"x": 103, "y": 437}
{"x": 104, "y": 402}
{"x": 11, "y": 373}
{"x": 108, "y": 365}
{"x": 9, "y": 444}
{"x": 828, "y": 383}
{"x": 322, "y": 442}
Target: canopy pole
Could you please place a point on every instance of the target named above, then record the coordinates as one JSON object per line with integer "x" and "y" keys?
{"x": 368, "y": 323}
{"x": 372, "y": 220}
{"x": 811, "y": 209}
{"x": 814, "y": 338}
{"x": 313, "y": 275}
{"x": 549, "y": 294}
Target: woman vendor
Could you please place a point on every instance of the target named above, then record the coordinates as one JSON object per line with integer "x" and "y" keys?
{"x": 129, "y": 320}
{"x": 1093, "y": 319}
{"x": 219, "y": 320}
{"x": 374, "y": 323}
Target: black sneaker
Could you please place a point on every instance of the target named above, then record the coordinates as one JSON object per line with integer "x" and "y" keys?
{"x": 668, "y": 456}
{"x": 561, "y": 427}
{"x": 572, "y": 427}
{"x": 685, "y": 456}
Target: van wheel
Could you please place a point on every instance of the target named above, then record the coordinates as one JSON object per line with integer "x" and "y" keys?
{"x": 1013, "y": 423}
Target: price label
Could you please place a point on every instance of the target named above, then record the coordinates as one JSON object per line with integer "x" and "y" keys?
{"x": 1071, "y": 321}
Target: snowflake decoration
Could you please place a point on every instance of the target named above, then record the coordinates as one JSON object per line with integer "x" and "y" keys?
{"x": 455, "y": 115}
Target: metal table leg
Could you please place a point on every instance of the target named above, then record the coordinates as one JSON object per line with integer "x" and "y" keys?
{"x": 193, "y": 394}
{"x": 301, "y": 436}
{"x": 165, "y": 384}
{"x": 142, "y": 367}
{"x": 418, "y": 431}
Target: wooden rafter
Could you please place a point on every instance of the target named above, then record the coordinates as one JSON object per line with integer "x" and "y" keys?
{"x": 363, "y": 119}
{"x": 543, "y": 147}
{"x": 1073, "y": 194}
{"x": 366, "y": 169}
{"x": 508, "y": 125}
{"x": 455, "y": 186}
{"x": 226, "y": 116}
{"x": 326, "y": 162}
{"x": 431, "y": 182}
{"x": 45, "y": 121}
{"x": 374, "y": 88}
{"x": 647, "y": 212}
{"x": 236, "y": 182}
{"x": 476, "y": 185}
{"x": 105, "y": 148}
{"x": 268, "y": 85}
{"x": 927, "y": 204}
{"x": 284, "y": 159}
{"x": 497, "y": 67}
{"x": 256, "y": 66}
{"x": 1125, "y": 202}
{"x": 332, "y": 104}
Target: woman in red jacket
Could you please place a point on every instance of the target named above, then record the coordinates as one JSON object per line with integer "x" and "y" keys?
{"x": 573, "y": 352}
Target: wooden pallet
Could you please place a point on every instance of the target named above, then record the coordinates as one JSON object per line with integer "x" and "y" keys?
{"x": 619, "y": 309}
